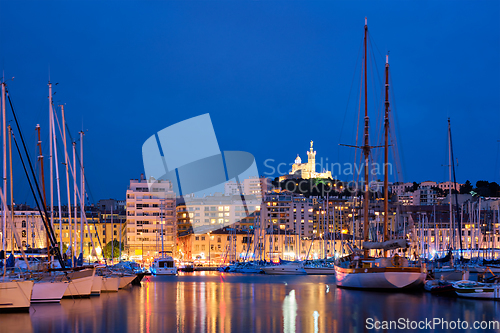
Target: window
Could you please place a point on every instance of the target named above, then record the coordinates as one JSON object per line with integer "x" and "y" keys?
{"x": 202, "y": 238}
{"x": 23, "y": 224}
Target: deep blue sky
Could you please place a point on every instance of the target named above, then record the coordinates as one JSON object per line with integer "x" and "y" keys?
{"x": 272, "y": 74}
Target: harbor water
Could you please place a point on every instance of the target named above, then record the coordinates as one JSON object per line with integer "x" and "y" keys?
{"x": 222, "y": 302}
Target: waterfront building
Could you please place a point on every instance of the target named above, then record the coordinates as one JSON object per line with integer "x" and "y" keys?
{"x": 29, "y": 227}
{"x": 425, "y": 196}
{"x": 401, "y": 188}
{"x": 150, "y": 207}
{"x": 406, "y": 198}
{"x": 288, "y": 211}
{"x": 31, "y": 230}
{"x": 201, "y": 215}
{"x": 445, "y": 186}
{"x": 108, "y": 205}
{"x": 227, "y": 245}
{"x": 428, "y": 184}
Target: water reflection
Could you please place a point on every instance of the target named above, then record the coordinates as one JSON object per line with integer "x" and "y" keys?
{"x": 289, "y": 312}
{"x": 213, "y": 302}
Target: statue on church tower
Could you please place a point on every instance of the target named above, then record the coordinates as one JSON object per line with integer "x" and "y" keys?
{"x": 311, "y": 159}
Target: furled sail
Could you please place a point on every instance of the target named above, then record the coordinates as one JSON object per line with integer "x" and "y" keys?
{"x": 387, "y": 245}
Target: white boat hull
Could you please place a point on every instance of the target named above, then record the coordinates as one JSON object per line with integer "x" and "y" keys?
{"x": 49, "y": 291}
{"x": 110, "y": 284}
{"x": 96, "y": 285}
{"x": 125, "y": 281}
{"x": 80, "y": 283}
{"x": 384, "y": 279}
{"x": 164, "y": 271}
{"x": 472, "y": 289}
{"x": 320, "y": 270}
{"x": 15, "y": 295}
{"x": 285, "y": 269}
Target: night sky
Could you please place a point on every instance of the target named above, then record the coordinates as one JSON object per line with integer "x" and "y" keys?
{"x": 272, "y": 74}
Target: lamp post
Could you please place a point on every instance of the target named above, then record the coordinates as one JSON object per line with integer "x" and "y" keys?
{"x": 208, "y": 248}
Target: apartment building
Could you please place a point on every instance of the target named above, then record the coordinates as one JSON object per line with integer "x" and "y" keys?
{"x": 150, "y": 207}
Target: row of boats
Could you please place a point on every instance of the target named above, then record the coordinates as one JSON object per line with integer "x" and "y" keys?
{"x": 19, "y": 290}
{"x": 457, "y": 280}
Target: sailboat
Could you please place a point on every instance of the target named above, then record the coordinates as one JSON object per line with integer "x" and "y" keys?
{"x": 15, "y": 294}
{"x": 387, "y": 272}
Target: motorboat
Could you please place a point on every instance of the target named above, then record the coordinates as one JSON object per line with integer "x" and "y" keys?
{"x": 478, "y": 290}
{"x": 286, "y": 268}
{"x": 164, "y": 266}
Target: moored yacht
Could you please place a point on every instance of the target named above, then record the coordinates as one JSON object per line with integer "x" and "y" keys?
{"x": 80, "y": 283}
{"x": 378, "y": 273}
{"x": 49, "y": 290}
{"x": 288, "y": 268}
{"x": 15, "y": 295}
{"x": 359, "y": 270}
{"x": 473, "y": 289}
{"x": 164, "y": 266}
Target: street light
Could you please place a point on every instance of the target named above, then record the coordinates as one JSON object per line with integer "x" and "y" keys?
{"x": 208, "y": 248}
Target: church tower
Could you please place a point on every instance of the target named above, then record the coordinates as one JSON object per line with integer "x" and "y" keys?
{"x": 311, "y": 160}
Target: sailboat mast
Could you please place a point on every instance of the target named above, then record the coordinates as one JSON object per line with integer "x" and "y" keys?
{"x": 120, "y": 257}
{"x": 53, "y": 134}
{"x": 161, "y": 222}
{"x": 386, "y": 150}
{"x": 42, "y": 177}
{"x": 12, "y": 192}
{"x": 66, "y": 162}
{"x": 4, "y": 210}
{"x": 366, "y": 148}
{"x": 51, "y": 124}
{"x": 452, "y": 226}
{"x": 457, "y": 219}
{"x": 112, "y": 237}
{"x": 75, "y": 198}
{"x": 82, "y": 193}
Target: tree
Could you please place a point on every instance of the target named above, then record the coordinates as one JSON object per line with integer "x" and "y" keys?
{"x": 494, "y": 189}
{"x": 483, "y": 188}
{"x": 414, "y": 187}
{"x": 466, "y": 188}
{"x": 108, "y": 249}
{"x": 439, "y": 191}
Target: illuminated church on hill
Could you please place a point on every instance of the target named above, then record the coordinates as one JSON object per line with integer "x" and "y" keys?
{"x": 306, "y": 170}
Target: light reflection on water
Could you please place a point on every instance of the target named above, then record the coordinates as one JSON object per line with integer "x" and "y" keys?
{"x": 215, "y": 302}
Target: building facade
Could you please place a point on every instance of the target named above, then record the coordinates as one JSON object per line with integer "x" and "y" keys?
{"x": 150, "y": 207}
